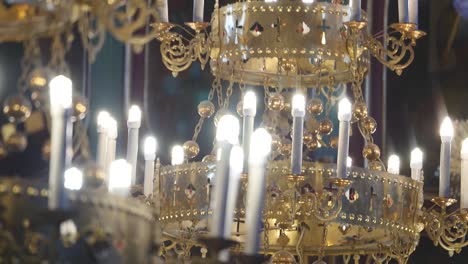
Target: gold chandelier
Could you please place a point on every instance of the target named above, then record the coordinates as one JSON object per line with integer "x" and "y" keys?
{"x": 284, "y": 46}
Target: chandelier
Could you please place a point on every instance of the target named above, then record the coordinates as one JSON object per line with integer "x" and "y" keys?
{"x": 261, "y": 198}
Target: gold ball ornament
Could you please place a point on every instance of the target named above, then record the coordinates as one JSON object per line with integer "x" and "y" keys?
{"x": 276, "y": 102}
{"x": 326, "y": 127}
{"x": 315, "y": 106}
{"x": 313, "y": 145}
{"x": 17, "y": 142}
{"x": 206, "y": 109}
{"x": 371, "y": 152}
{"x": 3, "y": 151}
{"x": 375, "y": 166}
{"x": 38, "y": 79}
{"x": 209, "y": 158}
{"x": 334, "y": 142}
{"x": 360, "y": 110}
{"x": 369, "y": 124}
{"x": 191, "y": 149}
{"x": 93, "y": 175}
{"x": 80, "y": 107}
{"x": 45, "y": 150}
{"x": 17, "y": 108}
{"x": 308, "y": 137}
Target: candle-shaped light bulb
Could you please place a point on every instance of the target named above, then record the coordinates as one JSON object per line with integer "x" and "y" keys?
{"x": 393, "y": 164}
{"x": 228, "y": 129}
{"x": 308, "y": 1}
{"x": 102, "y": 119}
{"x": 249, "y": 111}
{"x": 416, "y": 164}
{"x": 464, "y": 175}
{"x": 349, "y": 162}
{"x": 73, "y": 179}
{"x": 344, "y": 110}
{"x": 133, "y": 124}
{"x": 61, "y": 139}
{"x": 61, "y": 92}
{"x": 120, "y": 178}
{"x": 298, "y": 114}
{"x": 149, "y": 150}
{"x": 446, "y": 136}
{"x": 259, "y": 152}
{"x": 344, "y": 116}
{"x": 177, "y": 155}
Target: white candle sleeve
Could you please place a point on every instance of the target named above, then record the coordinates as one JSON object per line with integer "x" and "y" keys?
{"x": 133, "y": 124}
{"x": 260, "y": 150}
{"x": 444, "y": 180}
{"x": 446, "y": 136}
{"x": 149, "y": 177}
{"x": 198, "y": 10}
{"x": 464, "y": 175}
{"x": 298, "y": 114}
{"x": 164, "y": 11}
{"x": 60, "y": 158}
{"x": 221, "y": 182}
{"x": 403, "y": 16}
{"x": 344, "y": 115}
{"x": 249, "y": 110}
{"x": 413, "y": 9}
{"x": 355, "y": 6}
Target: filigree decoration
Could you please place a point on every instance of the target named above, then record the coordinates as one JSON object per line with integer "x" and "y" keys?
{"x": 448, "y": 230}
{"x": 179, "y": 52}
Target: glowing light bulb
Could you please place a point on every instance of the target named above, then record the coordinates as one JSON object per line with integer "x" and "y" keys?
{"x": 120, "y": 177}
{"x": 103, "y": 119}
{"x": 73, "y": 179}
{"x": 344, "y": 110}
{"x": 177, "y": 155}
{"x": 349, "y": 162}
{"x": 394, "y": 164}
{"x": 61, "y": 92}
{"x": 308, "y": 1}
{"x": 260, "y": 147}
{"x": 416, "y": 159}
{"x": 228, "y": 129}
{"x": 298, "y": 105}
{"x": 134, "y": 115}
{"x": 446, "y": 129}
{"x": 250, "y": 103}
{"x": 150, "y": 148}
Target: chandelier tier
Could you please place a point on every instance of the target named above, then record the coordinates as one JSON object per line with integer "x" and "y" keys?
{"x": 314, "y": 214}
